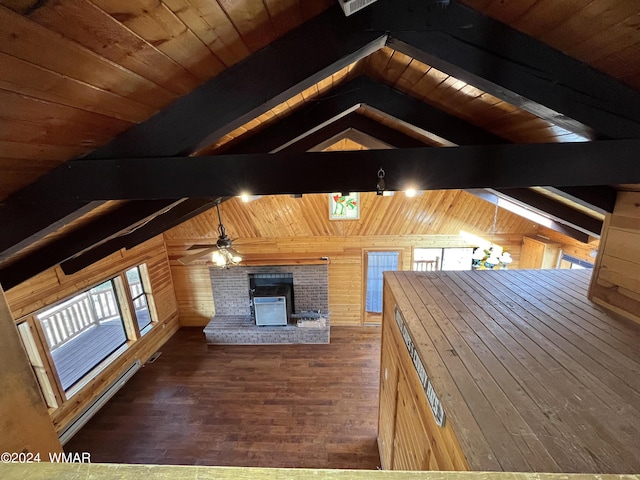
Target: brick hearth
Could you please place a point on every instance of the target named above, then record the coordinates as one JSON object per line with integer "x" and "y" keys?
{"x": 233, "y": 322}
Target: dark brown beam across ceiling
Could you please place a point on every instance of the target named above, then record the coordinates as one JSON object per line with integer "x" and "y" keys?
{"x": 357, "y": 122}
{"x": 551, "y": 208}
{"x": 510, "y": 65}
{"x": 484, "y": 166}
{"x": 180, "y": 213}
{"x": 515, "y": 67}
{"x": 601, "y": 199}
{"x": 283, "y": 69}
{"x": 115, "y": 222}
{"x": 565, "y": 220}
{"x": 367, "y": 92}
{"x": 491, "y": 197}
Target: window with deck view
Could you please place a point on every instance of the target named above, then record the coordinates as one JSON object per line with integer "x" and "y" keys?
{"x": 139, "y": 297}
{"x": 83, "y": 331}
{"x": 71, "y": 342}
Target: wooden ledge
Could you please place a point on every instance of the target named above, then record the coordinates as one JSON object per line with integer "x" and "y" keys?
{"x": 68, "y": 471}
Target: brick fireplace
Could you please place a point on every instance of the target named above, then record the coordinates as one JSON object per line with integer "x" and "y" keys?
{"x": 233, "y": 322}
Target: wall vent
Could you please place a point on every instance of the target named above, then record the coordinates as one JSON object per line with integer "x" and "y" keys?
{"x": 352, "y": 6}
{"x": 154, "y": 357}
{"x": 86, "y": 414}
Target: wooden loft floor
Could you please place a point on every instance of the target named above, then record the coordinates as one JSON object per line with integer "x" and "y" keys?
{"x": 536, "y": 376}
{"x": 311, "y": 406}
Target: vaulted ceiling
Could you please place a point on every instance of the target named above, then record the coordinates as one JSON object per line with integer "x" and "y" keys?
{"x": 120, "y": 119}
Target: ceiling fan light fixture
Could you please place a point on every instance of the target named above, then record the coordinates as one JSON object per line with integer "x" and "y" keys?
{"x": 218, "y": 259}
{"x": 234, "y": 256}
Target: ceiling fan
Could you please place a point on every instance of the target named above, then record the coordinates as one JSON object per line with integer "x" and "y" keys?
{"x": 223, "y": 253}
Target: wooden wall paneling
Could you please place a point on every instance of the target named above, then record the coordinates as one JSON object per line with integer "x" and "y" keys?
{"x": 412, "y": 449}
{"x": 615, "y": 283}
{"x": 53, "y": 285}
{"x": 387, "y": 408}
{"x": 345, "y": 291}
{"x": 416, "y": 432}
{"x": 282, "y": 228}
{"x": 568, "y": 245}
{"x": 25, "y": 425}
{"x": 33, "y": 43}
{"x": 195, "y": 296}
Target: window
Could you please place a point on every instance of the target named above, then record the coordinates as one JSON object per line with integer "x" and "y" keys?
{"x": 83, "y": 331}
{"x": 137, "y": 289}
{"x": 567, "y": 261}
{"x": 425, "y": 259}
{"x": 71, "y": 342}
{"x": 378, "y": 262}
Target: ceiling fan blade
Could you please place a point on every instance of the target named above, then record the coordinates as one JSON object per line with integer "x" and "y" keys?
{"x": 188, "y": 259}
{"x": 200, "y": 246}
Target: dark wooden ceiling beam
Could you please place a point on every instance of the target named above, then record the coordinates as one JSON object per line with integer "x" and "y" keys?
{"x": 510, "y": 65}
{"x": 29, "y": 221}
{"x": 282, "y": 69}
{"x": 548, "y": 207}
{"x": 601, "y": 199}
{"x": 115, "y": 222}
{"x": 484, "y": 166}
{"x": 365, "y": 91}
{"x": 491, "y": 197}
{"x": 239, "y": 94}
{"x": 354, "y": 121}
{"x": 178, "y": 214}
{"x": 561, "y": 218}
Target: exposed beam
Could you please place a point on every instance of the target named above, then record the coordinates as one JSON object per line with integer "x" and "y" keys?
{"x": 115, "y": 222}
{"x": 283, "y": 69}
{"x": 267, "y": 78}
{"x": 601, "y": 199}
{"x": 29, "y": 221}
{"x": 570, "y": 222}
{"x": 510, "y": 65}
{"x": 491, "y": 197}
{"x": 484, "y": 166}
{"x": 178, "y": 214}
{"x": 340, "y": 129}
{"x": 365, "y": 91}
{"x": 557, "y": 211}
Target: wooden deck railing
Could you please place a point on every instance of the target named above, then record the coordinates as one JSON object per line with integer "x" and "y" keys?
{"x": 426, "y": 265}
{"x": 87, "y": 310}
{"x": 136, "y": 291}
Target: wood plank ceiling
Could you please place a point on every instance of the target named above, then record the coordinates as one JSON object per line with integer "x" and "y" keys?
{"x": 76, "y": 74}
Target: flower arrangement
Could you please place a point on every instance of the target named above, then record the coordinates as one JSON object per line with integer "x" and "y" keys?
{"x": 490, "y": 258}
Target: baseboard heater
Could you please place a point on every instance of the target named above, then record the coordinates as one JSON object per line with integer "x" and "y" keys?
{"x": 83, "y": 417}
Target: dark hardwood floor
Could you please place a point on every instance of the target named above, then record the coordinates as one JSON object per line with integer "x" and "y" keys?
{"x": 311, "y": 406}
